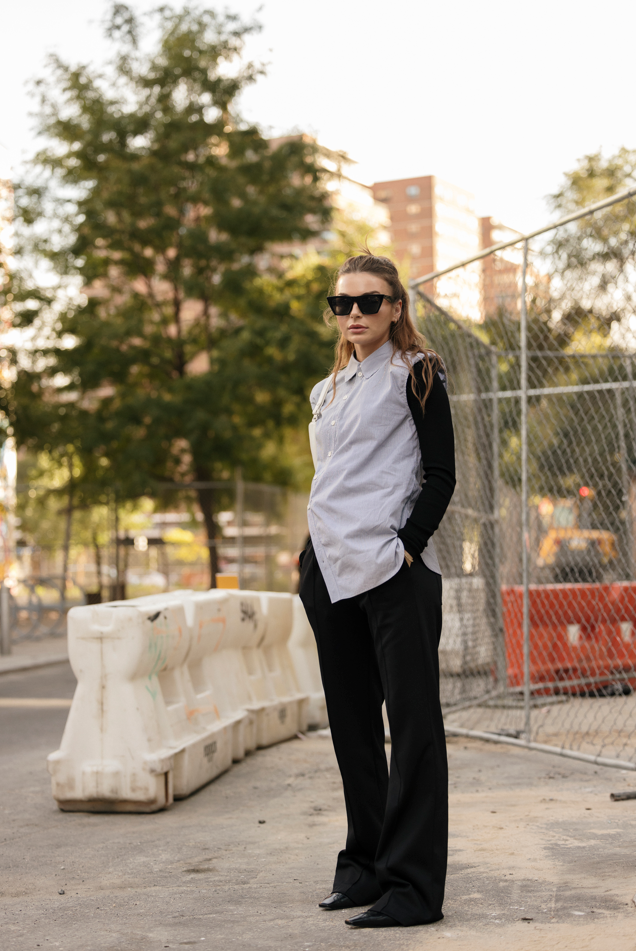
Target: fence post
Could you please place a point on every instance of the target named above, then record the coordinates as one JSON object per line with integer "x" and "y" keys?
{"x": 525, "y": 533}
{"x": 500, "y": 642}
{"x": 240, "y": 518}
{"x": 5, "y": 621}
{"x": 118, "y": 592}
{"x": 632, "y": 432}
{"x": 632, "y": 400}
{"x": 629, "y": 529}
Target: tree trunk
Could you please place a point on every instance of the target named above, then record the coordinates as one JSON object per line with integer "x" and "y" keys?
{"x": 206, "y": 504}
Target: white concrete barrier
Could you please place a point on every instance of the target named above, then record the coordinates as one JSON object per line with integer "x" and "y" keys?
{"x": 304, "y": 656}
{"x": 272, "y": 675}
{"x": 134, "y": 738}
{"x": 171, "y": 689}
{"x": 210, "y": 620}
{"x": 223, "y": 668}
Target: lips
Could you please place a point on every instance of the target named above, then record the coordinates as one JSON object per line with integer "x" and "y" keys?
{"x": 357, "y": 327}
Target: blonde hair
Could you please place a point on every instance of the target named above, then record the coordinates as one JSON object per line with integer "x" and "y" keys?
{"x": 403, "y": 334}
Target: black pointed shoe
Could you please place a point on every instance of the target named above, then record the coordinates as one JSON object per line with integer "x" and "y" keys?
{"x": 336, "y": 901}
{"x": 372, "y": 919}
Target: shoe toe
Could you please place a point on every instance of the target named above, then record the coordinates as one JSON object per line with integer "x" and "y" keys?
{"x": 336, "y": 901}
{"x": 372, "y": 919}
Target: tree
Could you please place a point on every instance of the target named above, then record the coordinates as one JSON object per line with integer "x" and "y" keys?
{"x": 594, "y": 259}
{"x": 189, "y": 351}
{"x": 583, "y": 303}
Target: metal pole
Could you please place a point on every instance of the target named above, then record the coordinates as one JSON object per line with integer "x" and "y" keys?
{"x": 541, "y": 748}
{"x": 413, "y": 306}
{"x": 117, "y": 584}
{"x": 525, "y": 534}
{"x": 500, "y": 643}
{"x": 240, "y": 517}
{"x": 632, "y": 400}
{"x": 629, "y": 528}
{"x": 111, "y": 549}
{"x": 267, "y": 499}
{"x": 5, "y": 621}
{"x": 632, "y": 431}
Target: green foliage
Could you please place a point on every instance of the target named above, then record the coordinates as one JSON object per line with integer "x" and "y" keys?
{"x": 190, "y": 351}
{"x": 581, "y": 311}
{"x": 594, "y": 179}
{"x": 594, "y": 259}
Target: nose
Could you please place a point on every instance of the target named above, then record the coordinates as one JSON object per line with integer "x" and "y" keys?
{"x": 355, "y": 310}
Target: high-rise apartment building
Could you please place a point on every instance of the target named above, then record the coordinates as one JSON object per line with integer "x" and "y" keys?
{"x": 501, "y": 272}
{"x": 434, "y": 225}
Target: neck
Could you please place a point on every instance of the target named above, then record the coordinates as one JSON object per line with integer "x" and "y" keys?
{"x": 361, "y": 352}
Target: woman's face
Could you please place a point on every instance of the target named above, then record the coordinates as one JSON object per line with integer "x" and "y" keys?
{"x": 367, "y": 332}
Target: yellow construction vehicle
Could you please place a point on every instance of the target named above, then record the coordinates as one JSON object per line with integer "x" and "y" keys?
{"x": 570, "y": 551}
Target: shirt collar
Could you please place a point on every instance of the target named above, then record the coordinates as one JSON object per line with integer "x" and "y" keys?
{"x": 372, "y": 363}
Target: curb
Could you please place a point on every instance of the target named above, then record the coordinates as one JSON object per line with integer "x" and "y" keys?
{"x": 10, "y": 665}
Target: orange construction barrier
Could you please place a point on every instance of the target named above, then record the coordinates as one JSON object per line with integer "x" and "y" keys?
{"x": 584, "y": 633}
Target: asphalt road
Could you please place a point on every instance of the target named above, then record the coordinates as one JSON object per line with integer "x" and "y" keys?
{"x": 28, "y": 728}
{"x": 539, "y": 856}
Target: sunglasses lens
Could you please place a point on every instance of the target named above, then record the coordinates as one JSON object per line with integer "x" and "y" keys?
{"x": 341, "y": 306}
{"x": 370, "y": 303}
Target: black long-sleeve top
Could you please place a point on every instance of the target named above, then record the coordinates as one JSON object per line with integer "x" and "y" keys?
{"x": 435, "y": 434}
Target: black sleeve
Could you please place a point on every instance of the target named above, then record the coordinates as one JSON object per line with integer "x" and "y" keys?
{"x": 437, "y": 444}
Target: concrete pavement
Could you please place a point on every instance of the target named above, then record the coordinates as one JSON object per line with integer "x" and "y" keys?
{"x": 28, "y": 655}
{"x": 539, "y": 856}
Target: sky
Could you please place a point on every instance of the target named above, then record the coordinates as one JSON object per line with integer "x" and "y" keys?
{"x": 500, "y": 98}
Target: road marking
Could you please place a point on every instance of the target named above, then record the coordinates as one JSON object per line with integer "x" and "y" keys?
{"x": 57, "y": 702}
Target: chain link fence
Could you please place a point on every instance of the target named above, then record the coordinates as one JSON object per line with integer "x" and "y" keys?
{"x": 108, "y": 550}
{"x": 538, "y": 546}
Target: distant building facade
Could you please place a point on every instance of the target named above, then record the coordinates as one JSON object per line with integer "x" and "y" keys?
{"x": 501, "y": 272}
{"x": 434, "y": 225}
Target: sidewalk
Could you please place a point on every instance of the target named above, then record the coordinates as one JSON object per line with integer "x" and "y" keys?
{"x": 540, "y": 858}
{"x": 26, "y": 655}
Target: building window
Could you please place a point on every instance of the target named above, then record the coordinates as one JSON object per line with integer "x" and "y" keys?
{"x": 412, "y": 227}
{"x": 384, "y": 195}
{"x": 413, "y": 209}
{"x": 415, "y": 250}
{"x": 413, "y": 191}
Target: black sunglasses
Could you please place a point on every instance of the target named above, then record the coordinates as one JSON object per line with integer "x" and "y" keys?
{"x": 342, "y": 306}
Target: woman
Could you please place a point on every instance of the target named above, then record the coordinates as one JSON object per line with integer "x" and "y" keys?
{"x": 371, "y": 586}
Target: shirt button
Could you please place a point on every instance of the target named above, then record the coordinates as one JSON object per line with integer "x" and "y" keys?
{"x": 333, "y": 422}
{"x": 359, "y": 373}
{"x": 309, "y": 508}
{"x": 329, "y": 453}
{"x": 344, "y": 398}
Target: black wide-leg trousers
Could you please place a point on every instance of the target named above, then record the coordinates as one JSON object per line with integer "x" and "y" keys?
{"x": 382, "y": 645}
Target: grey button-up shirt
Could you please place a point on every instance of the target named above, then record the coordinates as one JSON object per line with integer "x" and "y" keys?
{"x": 368, "y": 475}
